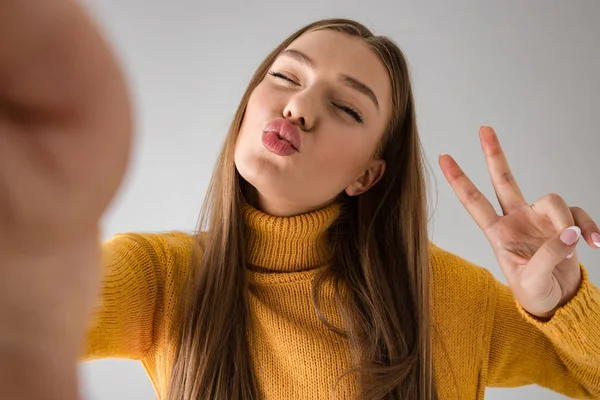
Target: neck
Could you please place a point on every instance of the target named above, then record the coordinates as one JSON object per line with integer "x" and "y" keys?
{"x": 288, "y": 243}
{"x": 280, "y": 207}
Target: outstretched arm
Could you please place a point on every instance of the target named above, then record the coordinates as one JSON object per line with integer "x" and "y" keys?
{"x": 65, "y": 134}
{"x": 554, "y": 342}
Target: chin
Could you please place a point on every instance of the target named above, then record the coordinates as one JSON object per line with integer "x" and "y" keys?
{"x": 268, "y": 181}
{"x": 257, "y": 164}
{"x": 272, "y": 179}
{"x": 265, "y": 180}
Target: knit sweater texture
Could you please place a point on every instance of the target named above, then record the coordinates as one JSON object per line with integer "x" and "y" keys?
{"x": 482, "y": 337}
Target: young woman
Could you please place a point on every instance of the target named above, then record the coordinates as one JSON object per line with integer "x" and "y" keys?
{"x": 310, "y": 275}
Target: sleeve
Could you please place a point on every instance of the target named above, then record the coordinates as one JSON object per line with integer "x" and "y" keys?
{"x": 122, "y": 323}
{"x": 561, "y": 354}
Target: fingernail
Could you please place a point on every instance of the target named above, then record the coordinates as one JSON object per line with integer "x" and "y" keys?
{"x": 570, "y": 235}
{"x": 570, "y": 255}
{"x": 596, "y": 239}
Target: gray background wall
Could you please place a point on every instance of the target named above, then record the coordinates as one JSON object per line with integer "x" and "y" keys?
{"x": 529, "y": 68}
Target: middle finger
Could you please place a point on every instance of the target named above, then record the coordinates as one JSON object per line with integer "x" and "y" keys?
{"x": 507, "y": 190}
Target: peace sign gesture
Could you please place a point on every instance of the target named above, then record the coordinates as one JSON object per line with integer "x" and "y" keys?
{"x": 534, "y": 243}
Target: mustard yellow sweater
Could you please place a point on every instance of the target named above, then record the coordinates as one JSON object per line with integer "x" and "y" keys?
{"x": 482, "y": 337}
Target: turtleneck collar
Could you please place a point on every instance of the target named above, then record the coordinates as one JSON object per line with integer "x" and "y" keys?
{"x": 288, "y": 244}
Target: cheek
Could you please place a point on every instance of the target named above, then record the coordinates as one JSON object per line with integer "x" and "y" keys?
{"x": 254, "y": 113}
{"x": 345, "y": 157}
{"x": 262, "y": 104}
{"x": 259, "y": 111}
{"x": 261, "y": 108}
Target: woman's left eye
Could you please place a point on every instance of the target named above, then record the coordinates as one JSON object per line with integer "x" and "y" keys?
{"x": 351, "y": 112}
{"x": 282, "y": 76}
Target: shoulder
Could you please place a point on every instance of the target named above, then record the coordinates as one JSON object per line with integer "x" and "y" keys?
{"x": 151, "y": 252}
{"x": 462, "y": 294}
{"x": 452, "y": 272}
{"x": 463, "y": 303}
{"x": 457, "y": 281}
{"x": 150, "y": 241}
{"x": 157, "y": 243}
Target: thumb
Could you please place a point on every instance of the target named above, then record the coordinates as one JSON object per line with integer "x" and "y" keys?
{"x": 555, "y": 250}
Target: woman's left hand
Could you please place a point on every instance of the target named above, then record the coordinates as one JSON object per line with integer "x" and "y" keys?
{"x": 534, "y": 243}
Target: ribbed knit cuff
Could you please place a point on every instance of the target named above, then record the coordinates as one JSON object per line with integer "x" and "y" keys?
{"x": 576, "y": 325}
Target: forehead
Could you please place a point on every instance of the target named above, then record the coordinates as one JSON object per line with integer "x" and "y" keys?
{"x": 338, "y": 53}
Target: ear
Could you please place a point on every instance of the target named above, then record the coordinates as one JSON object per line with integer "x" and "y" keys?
{"x": 367, "y": 179}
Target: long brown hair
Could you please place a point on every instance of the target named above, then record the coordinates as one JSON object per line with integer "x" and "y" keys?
{"x": 379, "y": 252}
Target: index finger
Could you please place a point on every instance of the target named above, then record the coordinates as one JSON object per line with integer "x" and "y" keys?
{"x": 477, "y": 205}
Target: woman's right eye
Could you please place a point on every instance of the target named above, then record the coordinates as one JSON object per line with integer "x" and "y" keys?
{"x": 282, "y": 76}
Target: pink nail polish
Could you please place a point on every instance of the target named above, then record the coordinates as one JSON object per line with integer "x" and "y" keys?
{"x": 596, "y": 239}
{"x": 570, "y": 235}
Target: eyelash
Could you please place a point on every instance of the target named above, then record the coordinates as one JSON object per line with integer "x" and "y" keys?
{"x": 282, "y": 76}
{"x": 352, "y": 112}
{"x": 347, "y": 109}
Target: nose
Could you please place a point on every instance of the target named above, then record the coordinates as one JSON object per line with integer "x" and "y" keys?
{"x": 300, "y": 111}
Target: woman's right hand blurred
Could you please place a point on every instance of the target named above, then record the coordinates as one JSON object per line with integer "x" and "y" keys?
{"x": 65, "y": 138}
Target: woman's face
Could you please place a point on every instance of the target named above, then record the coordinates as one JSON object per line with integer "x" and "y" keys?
{"x": 313, "y": 124}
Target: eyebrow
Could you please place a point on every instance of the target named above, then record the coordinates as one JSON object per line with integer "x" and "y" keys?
{"x": 345, "y": 79}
